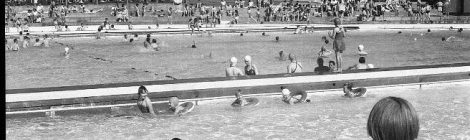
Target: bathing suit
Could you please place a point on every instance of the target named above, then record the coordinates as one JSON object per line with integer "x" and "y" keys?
{"x": 338, "y": 43}
{"x": 142, "y": 106}
{"x": 250, "y": 71}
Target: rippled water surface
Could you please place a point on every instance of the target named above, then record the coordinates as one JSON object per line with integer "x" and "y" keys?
{"x": 443, "y": 111}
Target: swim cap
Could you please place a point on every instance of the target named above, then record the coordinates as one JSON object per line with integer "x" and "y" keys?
{"x": 285, "y": 92}
{"x": 233, "y": 60}
{"x": 67, "y": 49}
{"x": 361, "y": 47}
{"x": 291, "y": 57}
{"x": 248, "y": 58}
{"x": 174, "y": 101}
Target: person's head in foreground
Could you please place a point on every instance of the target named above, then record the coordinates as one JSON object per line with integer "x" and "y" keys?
{"x": 233, "y": 61}
{"x": 173, "y": 102}
{"x": 142, "y": 92}
{"x": 393, "y": 118}
{"x": 337, "y": 21}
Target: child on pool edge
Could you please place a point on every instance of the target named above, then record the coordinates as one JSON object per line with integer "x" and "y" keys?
{"x": 240, "y": 99}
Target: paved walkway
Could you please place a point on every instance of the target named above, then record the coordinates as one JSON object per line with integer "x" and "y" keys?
{"x": 184, "y": 27}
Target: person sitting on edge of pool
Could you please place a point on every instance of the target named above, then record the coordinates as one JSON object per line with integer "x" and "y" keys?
{"x": 240, "y": 99}
{"x": 361, "y": 51}
{"x": 143, "y": 102}
{"x": 175, "y": 106}
{"x": 232, "y": 70}
{"x": 294, "y": 66}
{"x": 361, "y": 65}
{"x": 332, "y": 65}
{"x": 250, "y": 68}
{"x": 321, "y": 68}
{"x": 393, "y": 118}
{"x": 289, "y": 97}
{"x": 351, "y": 93}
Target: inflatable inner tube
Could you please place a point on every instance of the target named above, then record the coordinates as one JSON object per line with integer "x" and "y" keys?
{"x": 250, "y": 101}
{"x": 303, "y": 97}
{"x": 359, "y": 92}
{"x": 188, "y": 107}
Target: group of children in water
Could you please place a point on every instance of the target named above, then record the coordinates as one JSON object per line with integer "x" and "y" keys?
{"x": 24, "y": 41}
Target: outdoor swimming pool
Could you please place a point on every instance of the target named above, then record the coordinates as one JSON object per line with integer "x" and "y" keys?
{"x": 443, "y": 110}
{"x": 111, "y": 60}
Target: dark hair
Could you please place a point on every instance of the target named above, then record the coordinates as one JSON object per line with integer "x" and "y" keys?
{"x": 21, "y": 32}
{"x": 327, "y": 41}
{"x": 154, "y": 41}
{"x": 37, "y": 39}
{"x": 349, "y": 85}
{"x": 320, "y": 62}
{"x": 135, "y": 35}
{"x": 148, "y": 35}
{"x": 147, "y": 40}
{"x": 142, "y": 89}
{"x": 332, "y": 62}
{"x": 283, "y": 87}
{"x": 393, "y": 118}
{"x": 362, "y": 60}
{"x": 131, "y": 40}
{"x": 15, "y": 40}
{"x": 66, "y": 26}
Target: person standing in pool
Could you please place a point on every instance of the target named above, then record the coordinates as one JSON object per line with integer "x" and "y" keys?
{"x": 143, "y": 102}
{"x": 338, "y": 44}
{"x": 250, "y": 68}
{"x": 232, "y": 70}
{"x": 294, "y": 66}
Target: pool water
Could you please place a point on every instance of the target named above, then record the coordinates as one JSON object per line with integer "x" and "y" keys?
{"x": 111, "y": 60}
{"x": 443, "y": 110}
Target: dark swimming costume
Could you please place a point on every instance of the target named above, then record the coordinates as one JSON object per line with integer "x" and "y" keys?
{"x": 338, "y": 43}
{"x": 143, "y": 109}
{"x": 250, "y": 71}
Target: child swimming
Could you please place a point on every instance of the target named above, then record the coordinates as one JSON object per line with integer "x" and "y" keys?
{"x": 361, "y": 51}
{"x": 289, "y": 97}
{"x": 241, "y": 101}
{"x": 175, "y": 106}
{"x": 351, "y": 93}
{"x": 324, "y": 53}
{"x": 66, "y": 52}
{"x": 154, "y": 45}
{"x": 38, "y": 43}
{"x": 26, "y": 42}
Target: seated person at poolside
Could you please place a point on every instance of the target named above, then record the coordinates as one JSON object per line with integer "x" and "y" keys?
{"x": 289, "y": 96}
{"x": 240, "y": 99}
{"x": 143, "y": 102}
{"x": 361, "y": 65}
{"x": 361, "y": 51}
{"x": 232, "y": 70}
{"x": 349, "y": 92}
{"x": 321, "y": 68}
{"x": 393, "y": 118}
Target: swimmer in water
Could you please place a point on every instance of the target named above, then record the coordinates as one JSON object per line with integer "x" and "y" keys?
{"x": 147, "y": 43}
{"x": 175, "y": 107}
{"x": 15, "y": 46}
{"x": 453, "y": 39}
{"x": 26, "y": 42}
{"x": 154, "y": 45}
{"x": 232, "y": 70}
{"x": 125, "y": 38}
{"x": 67, "y": 53}
{"x": 361, "y": 51}
{"x": 324, "y": 53}
{"x": 361, "y": 65}
{"x": 289, "y": 97}
{"x": 294, "y": 66}
{"x": 282, "y": 57}
{"x": 240, "y": 99}
{"x": 136, "y": 37}
{"x": 46, "y": 40}
{"x": 250, "y": 68}
{"x": 351, "y": 93}
{"x": 38, "y": 43}
{"x": 143, "y": 102}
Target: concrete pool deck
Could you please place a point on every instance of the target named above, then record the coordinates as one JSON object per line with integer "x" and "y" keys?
{"x": 184, "y": 27}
